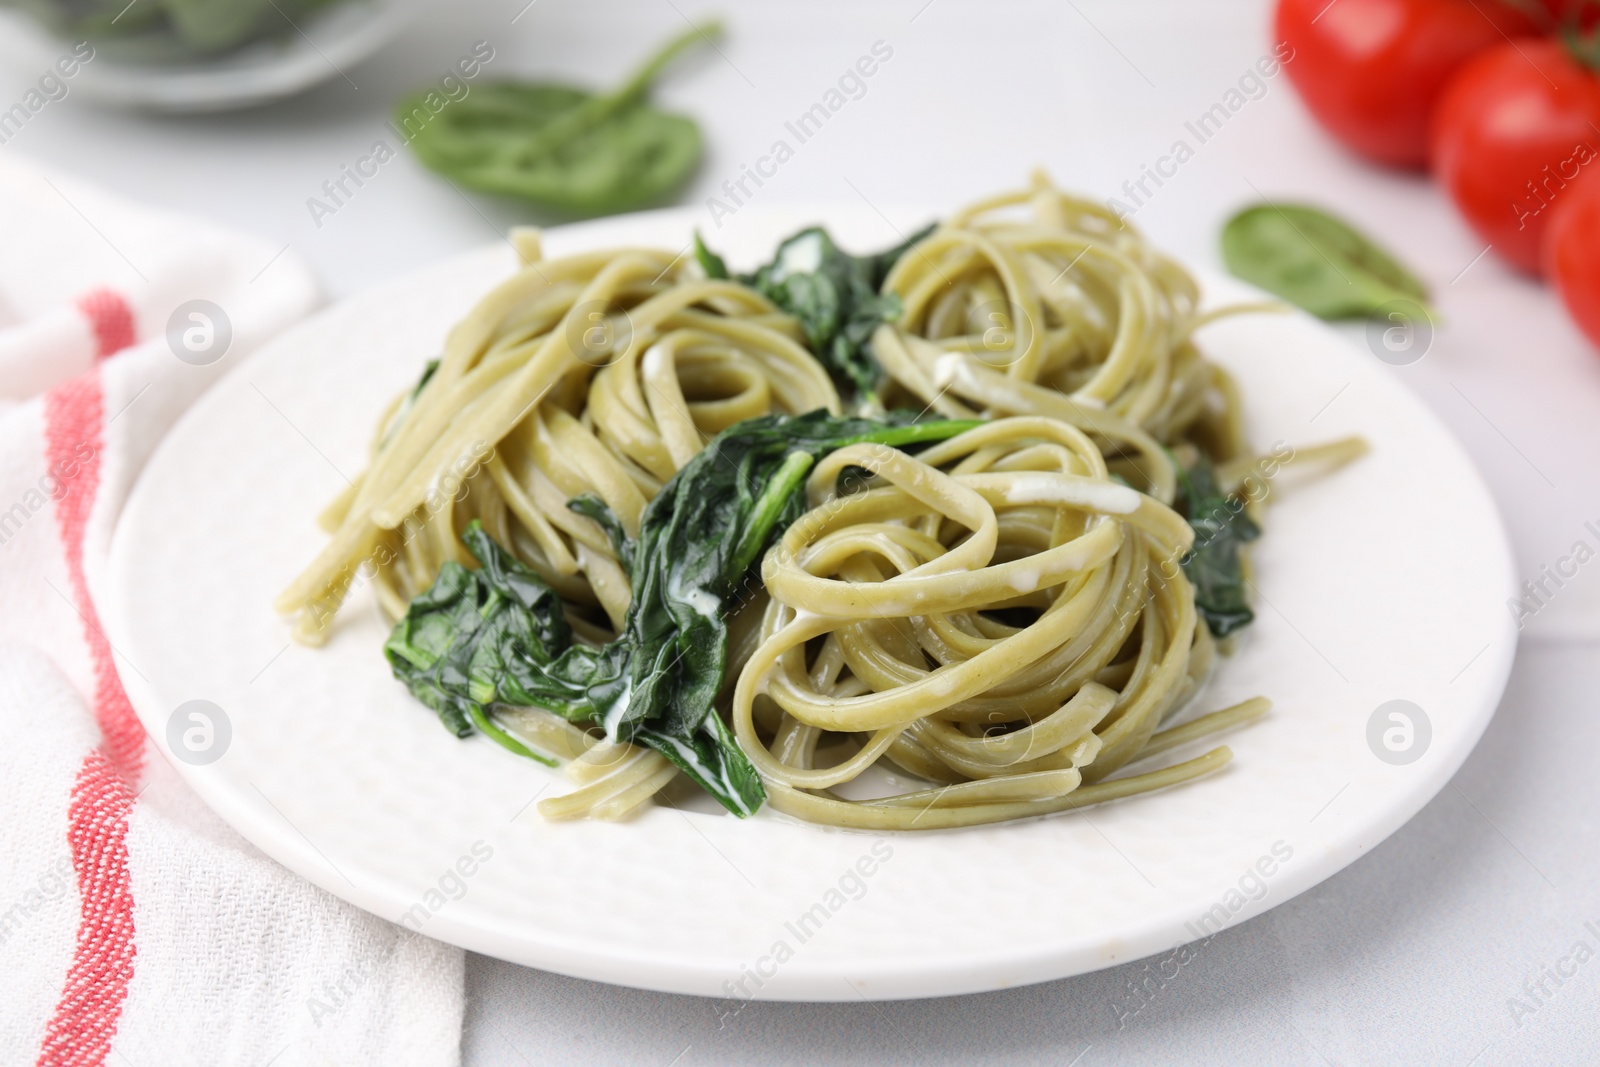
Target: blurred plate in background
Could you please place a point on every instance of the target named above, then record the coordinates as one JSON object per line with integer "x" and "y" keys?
{"x": 133, "y": 72}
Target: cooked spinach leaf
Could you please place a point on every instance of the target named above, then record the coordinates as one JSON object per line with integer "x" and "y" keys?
{"x": 591, "y": 506}
{"x": 833, "y": 294}
{"x": 462, "y": 633}
{"x": 714, "y": 265}
{"x": 566, "y": 149}
{"x": 1213, "y": 566}
{"x": 497, "y": 635}
{"x": 1316, "y": 261}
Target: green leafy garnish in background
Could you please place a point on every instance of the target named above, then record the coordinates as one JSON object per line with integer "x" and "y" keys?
{"x": 1316, "y": 262}
{"x": 565, "y": 149}
{"x": 1221, "y": 529}
{"x": 498, "y": 635}
{"x": 833, "y": 294}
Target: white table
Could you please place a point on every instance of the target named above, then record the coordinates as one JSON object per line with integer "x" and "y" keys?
{"x": 1411, "y": 955}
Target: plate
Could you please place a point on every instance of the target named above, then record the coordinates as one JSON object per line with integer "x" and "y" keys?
{"x": 1383, "y": 582}
{"x": 321, "y": 47}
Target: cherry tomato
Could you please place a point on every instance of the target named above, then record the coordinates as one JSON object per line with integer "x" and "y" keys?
{"x": 1513, "y": 130}
{"x": 1572, "y": 253}
{"x": 1371, "y": 70}
{"x": 1556, "y": 15}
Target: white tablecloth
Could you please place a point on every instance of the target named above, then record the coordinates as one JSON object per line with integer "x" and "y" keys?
{"x": 1415, "y": 954}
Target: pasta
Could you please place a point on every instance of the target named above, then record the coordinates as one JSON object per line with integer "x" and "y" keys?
{"x": 903, "y": 584}
{"x": 602, "y": 373}
{"x": 996, "y": 604}
{"x": 1067, "y": 312}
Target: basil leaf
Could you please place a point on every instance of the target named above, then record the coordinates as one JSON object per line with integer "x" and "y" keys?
{"x": 1315, "y": 261}
{"x": 565, "y": 149}
{"x": 833, "y": 294}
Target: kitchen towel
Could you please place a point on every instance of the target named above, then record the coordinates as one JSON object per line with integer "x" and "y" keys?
{"x": 135, "y": 927}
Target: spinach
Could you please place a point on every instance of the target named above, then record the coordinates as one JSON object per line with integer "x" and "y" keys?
{"x": 1317, "y": 262}
{"x": 591, "y": 506}
{"x": 1213, "y": 565}
{"x": 713, "y": 265}
{"x": 497, "y": 635}
{"x": 398, "y": 419}
{"x": 833, "y": 294}
{"x": 445, "y": 646}
{"x": 429, "y": 369}
{"x": 566, "y": 149}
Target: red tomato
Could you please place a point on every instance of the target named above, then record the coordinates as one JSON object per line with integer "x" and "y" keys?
{"x": 1572, "y": 253}
{"x": 1564, "y": 14}
{"x": 1371, "y": 70}
{"x": 1515, "y": 127}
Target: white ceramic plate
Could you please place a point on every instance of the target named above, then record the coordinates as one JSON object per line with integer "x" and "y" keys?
{"x": 1385, "y": 581}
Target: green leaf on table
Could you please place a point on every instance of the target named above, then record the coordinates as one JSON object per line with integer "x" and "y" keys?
{"x": 834, "y": 295}
{"x": 1316, "y": 262}
{"x": 566, "y": 149}
{"x": 1213, "y": 565}
{"x": 498, "y": 635}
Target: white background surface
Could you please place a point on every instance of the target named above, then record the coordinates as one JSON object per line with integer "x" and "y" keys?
{"x": 1410, "y": 955}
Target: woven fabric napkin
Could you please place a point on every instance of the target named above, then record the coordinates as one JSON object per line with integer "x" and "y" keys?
{"x": 135, "y": 927}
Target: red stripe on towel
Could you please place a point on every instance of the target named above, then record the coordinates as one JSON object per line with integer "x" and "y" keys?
{"x": 79, "y": 1033}
{"x": 85, "y": 1020}
{"x": 110, "y": 318}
